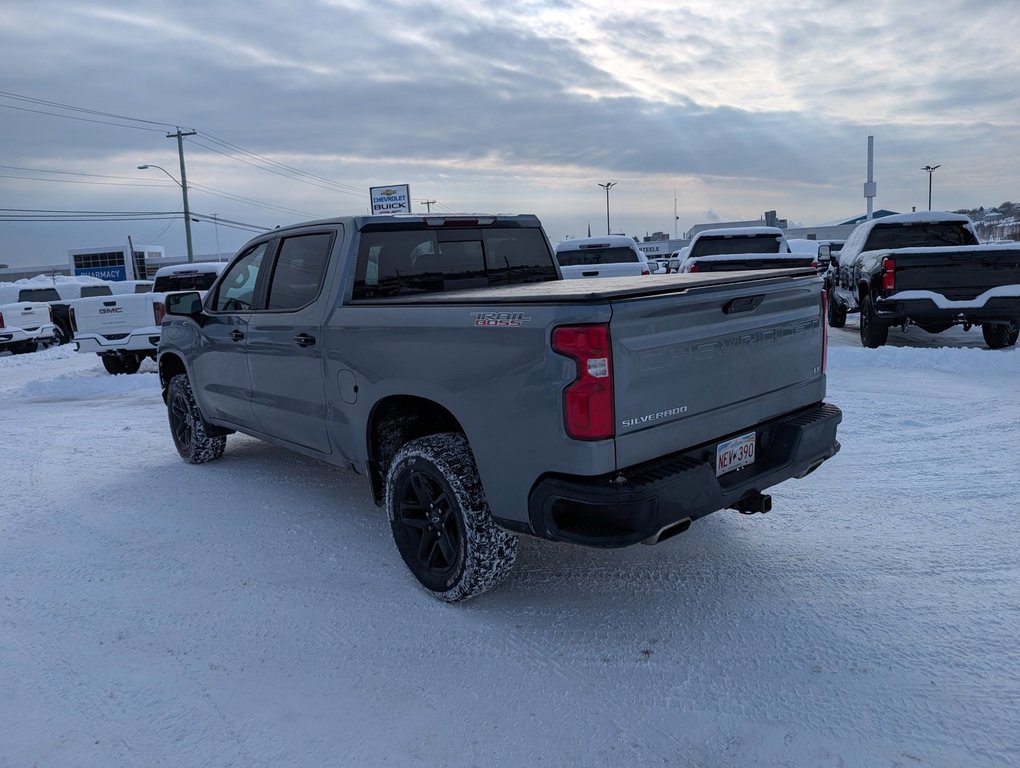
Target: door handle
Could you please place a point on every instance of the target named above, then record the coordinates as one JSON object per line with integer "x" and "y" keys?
{"x": 236, "y": 336}
{"x": 304, "y": 340}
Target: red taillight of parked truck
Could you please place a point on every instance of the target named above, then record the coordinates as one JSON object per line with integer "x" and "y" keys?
{"x": 588, "y": 399}
{"x": 888, "y": 274}
{"x": 159, "y": 311}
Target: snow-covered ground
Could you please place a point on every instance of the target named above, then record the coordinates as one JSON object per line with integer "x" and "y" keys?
{"x": 254, "y": 612}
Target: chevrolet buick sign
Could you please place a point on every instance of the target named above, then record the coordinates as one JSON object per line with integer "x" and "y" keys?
{"x": 392, "y": 199}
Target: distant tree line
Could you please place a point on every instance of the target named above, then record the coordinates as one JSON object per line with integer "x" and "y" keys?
{"x": 1001, "y": 222}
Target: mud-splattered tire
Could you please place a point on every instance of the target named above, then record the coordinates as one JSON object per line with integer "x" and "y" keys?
{"x": 1002, "y": 335}
{"x": 189, "y": 430}
{"x": 874, "y": 332}
{"x": 441, "y": 522}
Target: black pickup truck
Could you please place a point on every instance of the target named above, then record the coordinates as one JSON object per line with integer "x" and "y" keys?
{"x": 926, "y": 269}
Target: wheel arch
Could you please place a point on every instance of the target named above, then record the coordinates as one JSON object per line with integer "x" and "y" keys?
{"x": 170, "y": 364}
{"x": 394, "y": 421}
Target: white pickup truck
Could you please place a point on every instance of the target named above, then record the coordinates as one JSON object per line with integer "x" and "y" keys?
{"x": 609, "y": 256}
{"x": 124, "y": 329}
{"x": 734, "y": 249}
{"x": 24, "y": 325}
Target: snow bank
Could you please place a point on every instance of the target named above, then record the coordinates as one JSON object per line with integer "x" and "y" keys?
{"x": 944, "y": 359}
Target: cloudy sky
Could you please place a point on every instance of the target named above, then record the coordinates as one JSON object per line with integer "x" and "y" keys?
{"x": 727, "y": 108}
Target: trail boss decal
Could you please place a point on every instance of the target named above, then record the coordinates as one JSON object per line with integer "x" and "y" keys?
{"x": 500, "y": 319}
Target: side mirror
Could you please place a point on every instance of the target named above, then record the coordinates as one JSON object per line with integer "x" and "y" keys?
{"x": 823, "y": 253}
{"x": 186, "y": 304}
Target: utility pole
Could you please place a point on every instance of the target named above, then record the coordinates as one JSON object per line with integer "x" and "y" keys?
{"x": 607, "y": 186}
{"x": 428, "y": 205}
{"x": 930, "y": 169}
{"x": 179, "y": 135}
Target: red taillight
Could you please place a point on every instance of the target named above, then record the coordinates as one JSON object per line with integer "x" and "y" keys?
{"x": 645, "y": 271}
{"x": 159, "y": 310}
{"x": 73, "y": 319}
{"x": 825, "y": 330}
{"x": 588, "y": 400}
{"x": 1, "y": 319}
{"x": 694, "y": 267}
{"x": 888, "y": 274}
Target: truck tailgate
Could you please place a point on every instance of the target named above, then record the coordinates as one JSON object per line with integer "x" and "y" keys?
{"x": 959, "y": 274}
{"x": 713, "y": 362}
{"x": 26, "y": 315}
{"x": 112, "y": 315}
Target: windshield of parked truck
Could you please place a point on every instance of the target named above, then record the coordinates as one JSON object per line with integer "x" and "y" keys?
{"x": 586, "y": 256}
{"x": 184, "y": 281}
{"x": 926, "y": 235}
{"x": 724, "y": 246}
{"x": 408, "y": 261}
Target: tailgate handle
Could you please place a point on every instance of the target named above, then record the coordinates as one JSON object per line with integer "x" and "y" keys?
{"x": 236, "y": 335}
{"x": 743, "y": 304}
{"x": 109, "y": 303}
{"x": 304, "y": 340}
{"x": 591, "y": 274}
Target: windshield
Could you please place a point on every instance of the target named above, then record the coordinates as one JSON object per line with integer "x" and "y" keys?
{"x": 184, "y": 281}
{"x": 721, "y": 246}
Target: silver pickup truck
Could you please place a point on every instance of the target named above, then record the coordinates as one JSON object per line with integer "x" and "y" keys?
{"x": 484, "y": 396}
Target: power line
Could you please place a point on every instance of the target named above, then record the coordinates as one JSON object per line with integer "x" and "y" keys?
{"x": 71, "y": 108}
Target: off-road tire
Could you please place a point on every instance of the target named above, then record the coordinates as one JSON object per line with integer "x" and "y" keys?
{"x": 874, "y": 332}
{"x": 189, "y": 430}
{"x": 835, "y": 312}
{"x": 441, "y": 522}
{"x": 1000, "y": 336}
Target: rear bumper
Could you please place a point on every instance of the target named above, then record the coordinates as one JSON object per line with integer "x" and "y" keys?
{"x": 141, "y": 340}
{"x": 633, "y": 505}
{"x": 937, "y": 308}
{"x": 44, "y": 332}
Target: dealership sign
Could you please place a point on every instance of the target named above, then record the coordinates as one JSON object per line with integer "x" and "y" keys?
{"x": 392, "y": 199}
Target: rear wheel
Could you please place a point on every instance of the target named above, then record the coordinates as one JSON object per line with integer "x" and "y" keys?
{"x": 24, "y": 347}
{"x": 1000, "y": 335}
{"x": 441, "y": 522}
{"x": 187, "y": 427}
{"x": 116, "y": 364}
{"x": 874, "y": 332}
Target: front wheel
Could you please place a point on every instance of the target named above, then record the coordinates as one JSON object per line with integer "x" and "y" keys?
{"x": 441, "y": 522}
{"x": 874, "y": 332}
{"x": 1000, "y": 335}
{"x": 187, "y": 427}
{"x": 836, "y": 312}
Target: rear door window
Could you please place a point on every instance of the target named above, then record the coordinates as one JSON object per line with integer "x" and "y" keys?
{"x": 299, "y": 272}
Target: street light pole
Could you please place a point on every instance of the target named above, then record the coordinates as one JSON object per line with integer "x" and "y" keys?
{"x": 607, "y": 186}
{"x": 187, "y": 211}
{"x": 930, "y": 169}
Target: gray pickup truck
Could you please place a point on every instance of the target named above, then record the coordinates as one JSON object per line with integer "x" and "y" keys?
{"x": 485, "y": 397}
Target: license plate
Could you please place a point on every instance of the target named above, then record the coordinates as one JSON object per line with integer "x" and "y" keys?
{"x": 735, "y": 453}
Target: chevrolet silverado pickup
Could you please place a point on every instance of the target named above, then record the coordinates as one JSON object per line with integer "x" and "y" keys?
{"x": 485, "y": 397}
{"x": 925, "y": 269}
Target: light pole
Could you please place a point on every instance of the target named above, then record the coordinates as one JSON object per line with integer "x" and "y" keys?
{"x": 607, "y": 186}
{"x": 187, "y": 211}
{"x": 930, "y": 169}
{"x": 216, "y": 224}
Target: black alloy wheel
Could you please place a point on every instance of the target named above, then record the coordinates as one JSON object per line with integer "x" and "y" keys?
{"x": 425, "y": 512}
